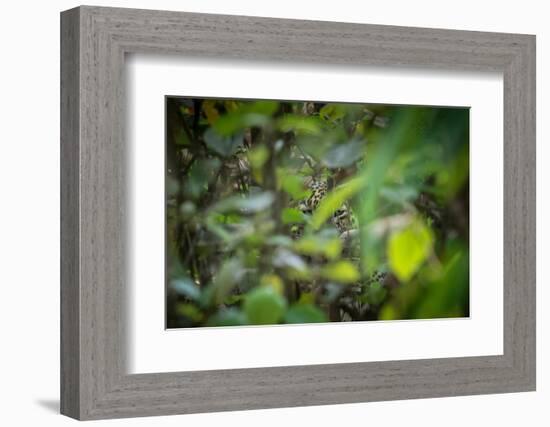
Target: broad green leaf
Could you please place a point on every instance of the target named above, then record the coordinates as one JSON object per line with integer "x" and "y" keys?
{"x": 404, "y": 129}
{"x": 273, "y": 281}
{"x": 344, "y": 155}
{"x": 223, "y": 145}
{"x": 247, "y": 115}
{"x": 305, "y": 313}
{"x": 300, "y": 124}
{"x": 200, "y": 175}
{"x": 279, "y": 240}
{"x": 250, "y": 204}
{"x": 265, "y": 107}
{"x": 292, "y": 185}
{"x": 399, "y": 194}
{"x": 341, "y": 272}
{"x": 330, "y": 247}
{"x": 258, "y": 156}
{"x": 229, "y": 275}
{"x": 186, "y": 287}
{"x": 333, "y": 112}
{"x": 408, "y": 249}
{"x": 334, "y": 200}
{"x": 284, "y": 258}
{"x": 292, "y": 216}
{"x": 264, "y": 306}
{"x": 232, "y": 123}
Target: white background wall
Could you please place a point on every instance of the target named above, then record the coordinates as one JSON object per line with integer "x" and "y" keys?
{"x": 29, "y": 212}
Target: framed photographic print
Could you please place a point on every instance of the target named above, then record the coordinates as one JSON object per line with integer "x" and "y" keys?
{"x": 262, "y": 213}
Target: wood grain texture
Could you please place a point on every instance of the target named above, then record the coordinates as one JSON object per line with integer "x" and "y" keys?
{"x": 70, "y": 316}
{"x": 94, "y": 382}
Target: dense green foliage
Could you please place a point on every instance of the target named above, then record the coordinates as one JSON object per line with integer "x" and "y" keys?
{"x": 242, "y": 249}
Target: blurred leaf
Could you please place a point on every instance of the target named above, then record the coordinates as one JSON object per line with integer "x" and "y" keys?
{"x": 300, "y": 124}
{"x": 251, "y": 114}
{"x": 388, "y": 312}
{"x": 189, "y": 311}
{"x": 258, "y": 156}
{"x": 399, "y": 194}
{"x": 250, "y": 204}
{"x": 273, "y": 281}
{"x": 209, "y": 108}
{"x": 223, "y": 145}
{"x": 448, "y": 295}
{"x": 172, "y": 186}
{"x": 284, "y": 258}
{"x": 408, "y": 249}
{"x": 405, "y": 129}
{"x": 341, "y": 272}
{"x": 228, "y": 317}
{"x": 305, "y": 313}
{"x": 376, "y": 293}
{"x": 292, "y": 185}
{"x": 279, "y": 240}
{"x": 344, "y": 155}
{"x": 187, "y": 209}
{"x": 316, "y": 244}
{"x": 230, "y": 273}
{"x": 187, "y": 288}
{"x": 450, "y": 179}
{"x": 332, "y": 112}
{"x": 292, "y": 216}
{"x": 334, "y": 201}
{"x": 264, "y": 306}
{"x": 200, "y": 175}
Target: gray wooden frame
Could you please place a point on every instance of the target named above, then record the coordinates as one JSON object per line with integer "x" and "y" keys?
{"x": 94, "y": 41}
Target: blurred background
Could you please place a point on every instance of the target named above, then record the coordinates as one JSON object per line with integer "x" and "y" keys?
{"x": 301, "y": 212}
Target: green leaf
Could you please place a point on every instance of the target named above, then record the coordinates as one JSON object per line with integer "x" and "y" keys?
{"x": 189, "y": 311}
{"x": 292, "y": 216}
{"x": 201, "y": 174}
{"x": 376, "y": 293}
{"x": 279, "y": 240}
{"x": 264, "y": 306}
{"x": 308, "y": 125}
{"x": 223, "y": 145}
{"x": 230, "y": 274}
{"x": 344, "y": 155}
{"x": 265, "y": 107}
{"x": 284, "y": 258}
{"x": 333, "y": 112}
{"x": 305, "y": 313}
{"x": 227, "y": 317}
{"x": 186, "y": 287}
{"x": 334, "y": 200}
{"x": 341, "y": 272}
{"x": 330, "y": 247}
{"x": 258, "y": 156}
{"x": 408, "y": 249}
{"x": 248, "y": 114}
{"x": 399, "y": 194}
{"x": 292, "y": 184}
{"x": 251, "y": 204}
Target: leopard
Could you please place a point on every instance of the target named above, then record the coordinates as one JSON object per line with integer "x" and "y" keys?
{"x": 345, "y": 223}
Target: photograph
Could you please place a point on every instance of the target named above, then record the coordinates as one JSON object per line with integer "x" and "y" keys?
{"x": 297, "y": 212}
